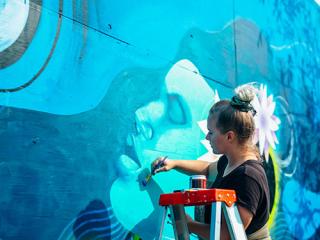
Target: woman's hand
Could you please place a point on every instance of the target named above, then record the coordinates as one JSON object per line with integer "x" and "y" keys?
{"x": 189, "y": 219}
{"x": 165, "y": 166}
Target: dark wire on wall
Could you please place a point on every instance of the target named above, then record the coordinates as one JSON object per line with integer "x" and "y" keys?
{"x": 235, "y": 43}
{"x": 119, "y": 40}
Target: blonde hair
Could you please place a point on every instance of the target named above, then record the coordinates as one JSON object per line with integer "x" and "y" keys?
{"x": 246, "y": 92}
{"x": 237, "y": 114}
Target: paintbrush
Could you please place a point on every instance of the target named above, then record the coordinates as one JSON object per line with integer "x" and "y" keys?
{"x": 158, "y": 165}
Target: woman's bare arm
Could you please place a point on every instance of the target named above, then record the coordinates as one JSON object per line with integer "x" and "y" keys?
{"x": 189, "y": 167}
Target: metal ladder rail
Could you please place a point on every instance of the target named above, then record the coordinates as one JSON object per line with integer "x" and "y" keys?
{"x": 220, "y": 199}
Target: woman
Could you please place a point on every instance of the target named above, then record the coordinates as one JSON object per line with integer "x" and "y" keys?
{"x": 231, "y": 128}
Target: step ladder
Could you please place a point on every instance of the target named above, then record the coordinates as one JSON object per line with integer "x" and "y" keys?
{"x": 220, "y": 199}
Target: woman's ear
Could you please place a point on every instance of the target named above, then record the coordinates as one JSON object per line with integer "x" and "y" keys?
{"x": 230, "y": 136}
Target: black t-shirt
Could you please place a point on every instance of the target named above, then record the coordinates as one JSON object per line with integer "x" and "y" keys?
{"x": 250, "y": 183}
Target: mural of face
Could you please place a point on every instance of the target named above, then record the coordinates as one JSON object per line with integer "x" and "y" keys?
{"x": 167, "y": 126}
{"x": 45, "y": 157}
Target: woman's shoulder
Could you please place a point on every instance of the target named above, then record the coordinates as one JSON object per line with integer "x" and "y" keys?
{"x": 253, "y": 169}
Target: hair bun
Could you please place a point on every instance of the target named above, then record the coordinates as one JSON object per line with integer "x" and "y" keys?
{"x": 244, "y": 95}
{"x": 246, "y": 92}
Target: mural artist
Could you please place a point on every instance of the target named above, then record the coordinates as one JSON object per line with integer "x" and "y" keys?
{"x": 231, "y": 129}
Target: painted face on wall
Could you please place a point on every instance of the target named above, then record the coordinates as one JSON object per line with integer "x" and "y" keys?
{"x": 170, "y": 125}
{"x": 165, "y": 127}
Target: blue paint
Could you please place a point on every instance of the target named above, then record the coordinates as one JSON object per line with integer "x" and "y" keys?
{"x": 302, "y": 207}
{"x": 119, "y": 83}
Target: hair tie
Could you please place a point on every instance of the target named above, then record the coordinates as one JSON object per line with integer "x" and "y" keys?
{"x": 242, "y": 106}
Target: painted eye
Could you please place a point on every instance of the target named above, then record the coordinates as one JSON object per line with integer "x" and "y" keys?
{"x": 176, "y": 109}
{"x": 145, "y": 129}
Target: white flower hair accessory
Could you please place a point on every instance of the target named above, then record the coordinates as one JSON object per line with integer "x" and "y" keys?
{"x": 266, "y": 122}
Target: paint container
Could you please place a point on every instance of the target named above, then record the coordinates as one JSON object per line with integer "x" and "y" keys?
{"x": 198, "y": 181}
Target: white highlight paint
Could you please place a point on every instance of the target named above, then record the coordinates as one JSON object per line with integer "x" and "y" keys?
{"x": 13, "y": 17}
{"x": 288, "y": 46}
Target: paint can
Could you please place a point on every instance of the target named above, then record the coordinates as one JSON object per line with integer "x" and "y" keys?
{"x": 198, "y": 181}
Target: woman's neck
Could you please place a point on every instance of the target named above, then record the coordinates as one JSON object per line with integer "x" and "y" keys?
{"x": 239, "y": 155}
{"x": 236, "y": 160}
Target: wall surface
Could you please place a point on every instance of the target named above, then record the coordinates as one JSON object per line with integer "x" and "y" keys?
{"x": 91, "y": 92}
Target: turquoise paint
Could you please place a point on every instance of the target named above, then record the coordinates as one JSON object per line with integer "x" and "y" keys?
{"x": 127, "y": 82}
{"x": 171, "y": 118}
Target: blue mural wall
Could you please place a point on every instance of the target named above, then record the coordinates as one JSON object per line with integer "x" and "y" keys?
{"x": 92, "y": 91}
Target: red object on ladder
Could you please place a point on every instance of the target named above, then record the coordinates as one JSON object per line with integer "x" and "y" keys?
{"x": 218, "y": 198}
{"x": 198, "y": 197}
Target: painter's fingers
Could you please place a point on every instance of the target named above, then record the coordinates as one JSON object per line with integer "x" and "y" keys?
{"x": 161, "y": 169}
{"x": 156, "y": 162}
{"x": 166, "y": 166}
